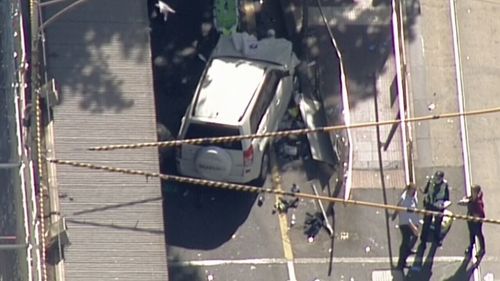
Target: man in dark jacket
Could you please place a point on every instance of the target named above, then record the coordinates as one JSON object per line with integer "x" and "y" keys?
{"x": 475, "y": 208}
{"x": 436, "y": 193}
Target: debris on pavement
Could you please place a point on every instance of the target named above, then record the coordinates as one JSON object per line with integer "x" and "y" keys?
{"x": 323, "y": 212}
{"x": 313, "y": 225}
{"x": 292, "y": 220}
{"x": 261, "y": 199}
{"x": 292, "y": 147}
{"x": 283, "y": 205}
{"x": 295, "y": 188}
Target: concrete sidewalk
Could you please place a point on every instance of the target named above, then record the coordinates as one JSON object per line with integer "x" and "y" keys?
{"x": 370, "y": 72}
{"x": 434, "y": 91}
{"x": 478, "y": 27}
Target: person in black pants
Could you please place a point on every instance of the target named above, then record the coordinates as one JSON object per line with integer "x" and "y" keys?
{"x": 475, "y": 208}
{"x": 436, "y": 193}
{"x": 408, "y": 224}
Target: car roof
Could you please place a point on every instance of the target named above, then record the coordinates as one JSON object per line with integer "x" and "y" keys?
{"x": 227, "y": 89}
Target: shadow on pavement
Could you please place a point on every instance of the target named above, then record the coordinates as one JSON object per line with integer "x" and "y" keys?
{"x": 422, "y": 269}
{"x": 175, "y": 46}
{"x": 365, "y": 43}
{"x": 80, "y": 57}
{"x": 197, "y": 217}
{"x": 463, "y": 273}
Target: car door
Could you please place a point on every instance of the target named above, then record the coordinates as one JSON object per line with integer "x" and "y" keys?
{"x": 282, "y": 93}
{"x": 264, "y": 114}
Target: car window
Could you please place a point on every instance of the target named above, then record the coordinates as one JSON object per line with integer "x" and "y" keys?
{"x": 206, "y": 130}
{"x": 264, "y": 98}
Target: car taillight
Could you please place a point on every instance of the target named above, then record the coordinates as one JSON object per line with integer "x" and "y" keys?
{"x": 248, "y": 156}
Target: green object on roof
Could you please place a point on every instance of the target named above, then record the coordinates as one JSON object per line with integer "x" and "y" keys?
{"x": 226, "y": 15}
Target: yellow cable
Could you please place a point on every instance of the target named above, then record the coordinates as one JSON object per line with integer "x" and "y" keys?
{"x": 249, "y": 188}
{"x": 282, "y": 134}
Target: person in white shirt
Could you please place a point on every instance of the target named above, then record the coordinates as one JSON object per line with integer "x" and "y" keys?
{"x": 408, "y": 224}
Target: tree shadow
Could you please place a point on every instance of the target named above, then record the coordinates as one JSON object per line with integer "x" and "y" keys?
{"x": 84, "y": 45}
{"x": 364, "y": 38}
{"x": 413, "y": 11}
{"x": 176, "y": 46}
{"x": 364, "y": 49}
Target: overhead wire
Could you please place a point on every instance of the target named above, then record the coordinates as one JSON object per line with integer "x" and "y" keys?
{"x": 255, "y": 189}
{"x": 287, "y": 133}
{"x": 35, "y": 81}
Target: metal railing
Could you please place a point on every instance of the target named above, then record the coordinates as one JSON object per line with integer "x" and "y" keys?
{"x": 398, "y": 35}
{"x": 23, "y": 257}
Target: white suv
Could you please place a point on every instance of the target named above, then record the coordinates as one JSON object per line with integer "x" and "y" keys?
{"x": 245, "y": 89}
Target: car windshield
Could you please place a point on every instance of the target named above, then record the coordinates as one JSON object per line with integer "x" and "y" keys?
{"x": 196, "y": 130}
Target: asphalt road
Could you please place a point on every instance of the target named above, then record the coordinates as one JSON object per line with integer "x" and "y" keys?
{"x": 217, "y": 233}
{"x": 478, "y": 28}
{"x": 226, "y": 235}
{"x": 436, "y": 82}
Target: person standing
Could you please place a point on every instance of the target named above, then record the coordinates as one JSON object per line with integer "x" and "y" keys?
{"x": 436, "y": 193}
{"x": 475, "y": 208}
{"x": 408, "y": 224}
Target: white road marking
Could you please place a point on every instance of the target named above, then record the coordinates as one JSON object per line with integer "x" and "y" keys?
{"x": 423, "y": 46}
{"x": 339, "y": 260}
{"x": 291, "y": 270}
{"x": 461, "y": 105}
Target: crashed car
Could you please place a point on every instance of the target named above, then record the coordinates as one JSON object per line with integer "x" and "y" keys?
{"x": 245, "y": 89}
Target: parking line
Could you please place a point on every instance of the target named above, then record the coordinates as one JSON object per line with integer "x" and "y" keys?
{"x": 282, "y": 218}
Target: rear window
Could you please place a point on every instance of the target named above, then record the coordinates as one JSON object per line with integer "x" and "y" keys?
{"x": 195, "y": 131}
